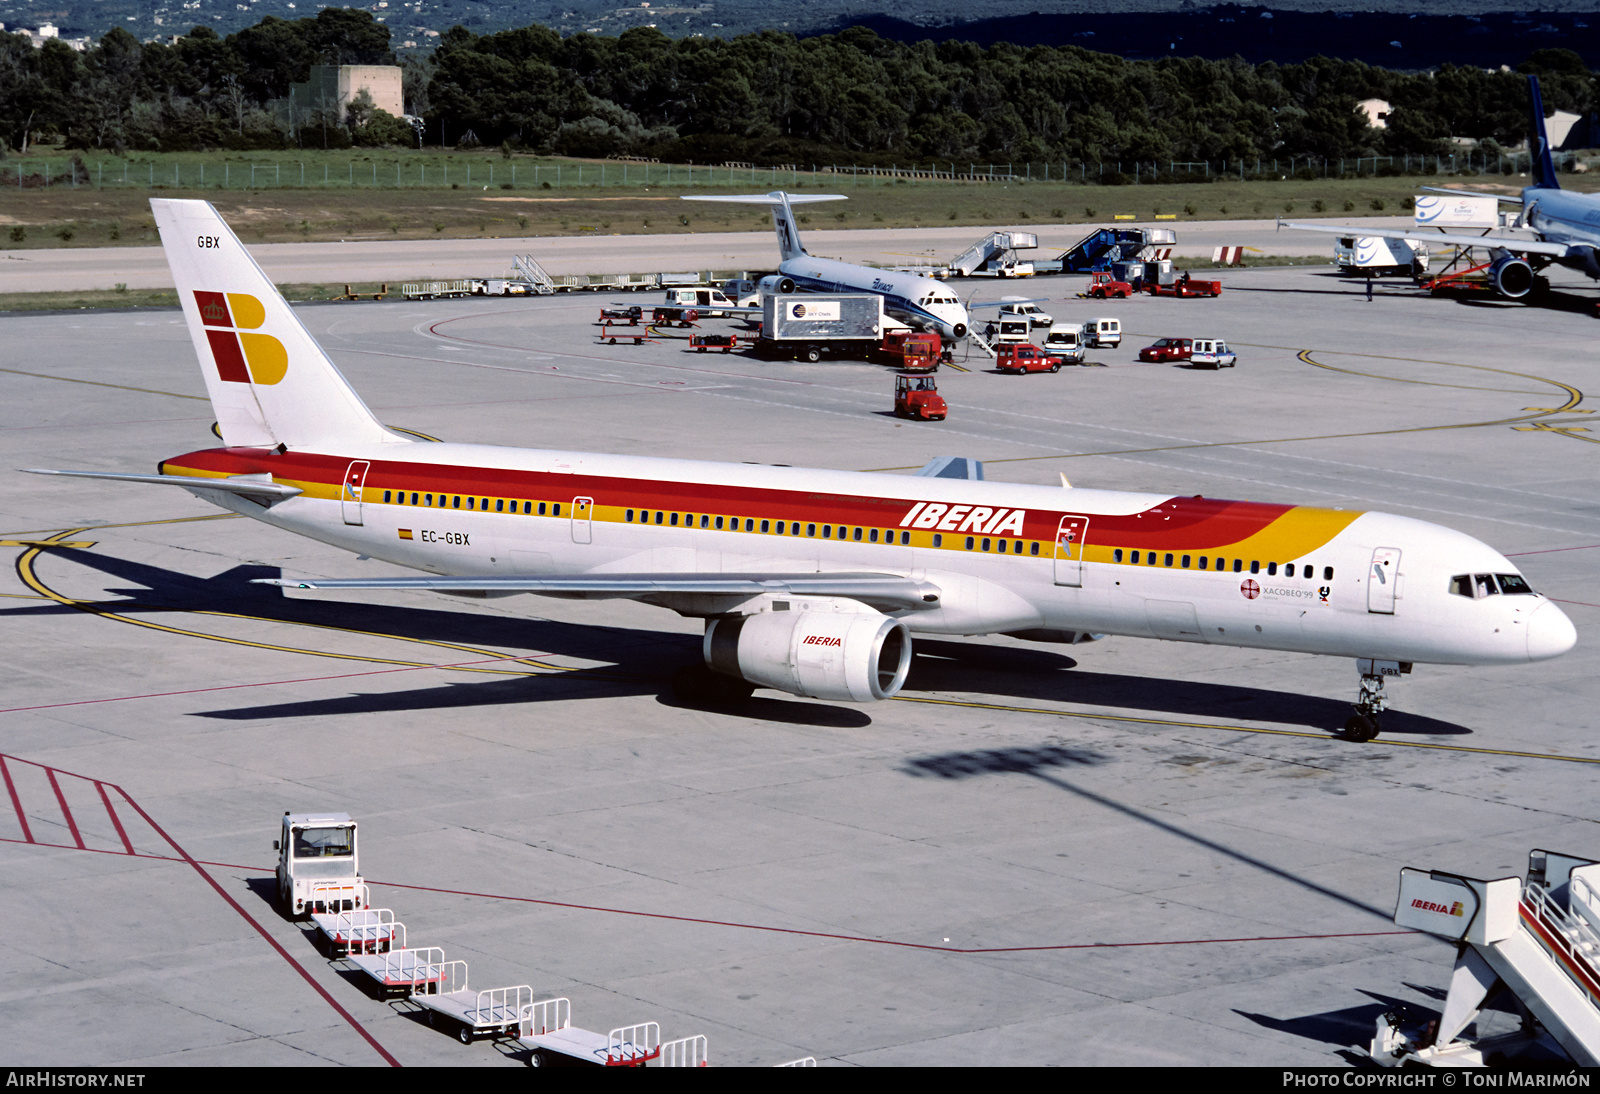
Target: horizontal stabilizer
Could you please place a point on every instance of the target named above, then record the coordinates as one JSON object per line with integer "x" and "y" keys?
{"x": 952, "y": 467}
{"x": 249, "y": 485}
{"x": 885, "y": 591}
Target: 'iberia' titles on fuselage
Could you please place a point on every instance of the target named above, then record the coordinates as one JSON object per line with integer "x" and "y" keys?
{"x": 1006, "y": 557}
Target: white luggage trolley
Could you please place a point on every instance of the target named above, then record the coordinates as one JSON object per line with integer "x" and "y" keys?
{"x": 362, "y": 930}
{"x": 546, "y": 1029}
{"x": 402, "y": 970}
{"x": 475, "y": 1013}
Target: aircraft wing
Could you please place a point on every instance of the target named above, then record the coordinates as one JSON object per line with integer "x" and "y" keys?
{"x": 888, "y": 592}
{"x": 765, "y": 199}
{"x": 1509, "y": 243}
{"x": 252, "y": 486}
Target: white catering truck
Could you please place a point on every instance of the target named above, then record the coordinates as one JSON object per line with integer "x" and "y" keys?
{"x": 807, "y": 325}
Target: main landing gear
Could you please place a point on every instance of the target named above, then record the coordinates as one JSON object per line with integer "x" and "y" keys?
{"x": 1362, "y": 726}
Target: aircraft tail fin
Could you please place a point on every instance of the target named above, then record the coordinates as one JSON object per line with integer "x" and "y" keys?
{"x": 269, "y": 381}
{"x": 782, "y": 215}
{"x": 1543, "y": 166}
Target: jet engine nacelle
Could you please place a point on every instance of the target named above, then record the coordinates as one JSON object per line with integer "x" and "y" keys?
{"x": 775, "y": 285}
{"x": 856, "y": 657}
{"x": 1511, "y": 277}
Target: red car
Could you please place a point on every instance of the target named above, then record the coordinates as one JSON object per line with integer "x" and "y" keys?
{"x": 1168, "y": 349}
{"x": 1011, "y": 357}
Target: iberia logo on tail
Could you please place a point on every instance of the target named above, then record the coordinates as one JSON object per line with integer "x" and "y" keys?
{"x": 241, "y": 356}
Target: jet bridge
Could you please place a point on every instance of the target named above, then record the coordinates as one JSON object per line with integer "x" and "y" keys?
{"x": 995, "y": 255}
{"x": 1538, "y": 939}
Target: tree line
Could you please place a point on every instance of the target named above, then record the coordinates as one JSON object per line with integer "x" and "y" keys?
{"x": 765, "y": 98}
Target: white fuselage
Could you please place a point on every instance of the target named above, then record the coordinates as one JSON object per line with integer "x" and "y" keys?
{"x": 989, "y": 583}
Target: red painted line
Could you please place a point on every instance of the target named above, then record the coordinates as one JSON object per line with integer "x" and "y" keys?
{"x": 66, "y": 812}
{"x": 885, "y": 941}
{"x": 1554, "y": 550}
{"x": 265, "y": 684}
{"x": 262, "y": 931}
{"x": 789, "y": 930}
{"x": 1579, "y": 603}
{"x": 112, "y": 813}
{"x": 16, "y": 802}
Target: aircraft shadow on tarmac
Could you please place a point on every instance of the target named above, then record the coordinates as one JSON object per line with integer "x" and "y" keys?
{"x": 640, "y": 662}
{"x": 1042, "y": 675}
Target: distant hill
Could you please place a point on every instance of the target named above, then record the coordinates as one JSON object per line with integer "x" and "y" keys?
{"x": 1387, "y": 39}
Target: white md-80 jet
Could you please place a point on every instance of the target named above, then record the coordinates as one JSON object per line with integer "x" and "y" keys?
{"x": 812, "y": 582}
{"x": 912, "y": 299}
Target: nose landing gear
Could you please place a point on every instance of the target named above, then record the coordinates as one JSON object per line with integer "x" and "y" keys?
{"x": 1362, "y": 726}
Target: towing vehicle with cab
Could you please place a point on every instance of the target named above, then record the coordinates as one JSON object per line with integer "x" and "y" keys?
{"x": 916, "y": 395}
{"x": 1103, "y": 285}
{"x": 912, "y": 350}
{"x": 319, "y": 870}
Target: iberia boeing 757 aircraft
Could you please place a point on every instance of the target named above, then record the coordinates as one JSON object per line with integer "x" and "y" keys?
{"x": 821, "y": 577}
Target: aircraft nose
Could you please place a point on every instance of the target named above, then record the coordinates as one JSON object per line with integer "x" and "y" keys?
{"x": 1550, "y": 633}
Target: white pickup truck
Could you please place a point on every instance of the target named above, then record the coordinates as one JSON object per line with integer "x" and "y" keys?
{"x": 318, "y": 869}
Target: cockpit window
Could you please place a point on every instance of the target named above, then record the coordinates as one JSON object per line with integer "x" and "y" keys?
{"x": 1478, "y": 586}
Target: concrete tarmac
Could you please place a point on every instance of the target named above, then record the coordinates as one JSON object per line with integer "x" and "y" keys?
{"x": 69, "y": 270}
{"x": 1122, "y": 852}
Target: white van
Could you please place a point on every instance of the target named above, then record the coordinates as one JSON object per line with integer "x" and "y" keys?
{"x": 1212, "y": 353}
{"x": 1103, "y": 333}
{"x": 1065, "y": 341}
{"x": 708, "y": 302}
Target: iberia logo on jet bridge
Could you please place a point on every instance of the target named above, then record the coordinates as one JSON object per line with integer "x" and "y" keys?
{"x": 241, "y": 356}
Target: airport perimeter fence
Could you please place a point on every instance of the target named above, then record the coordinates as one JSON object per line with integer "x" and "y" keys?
{"x": 177, "y": 172}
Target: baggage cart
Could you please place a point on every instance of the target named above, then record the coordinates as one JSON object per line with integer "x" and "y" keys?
{"x": 361, "y": 930}
{"x": 545, "y": 1028}
{"x": 450, "y": 1000}
{"x": 402, "y": 970}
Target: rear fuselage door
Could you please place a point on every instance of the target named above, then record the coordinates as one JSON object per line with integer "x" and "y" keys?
{"x": 582, "y": 520}
{"x": 1070, "y": 537}
{"x": 350, "y": 496}
{"x": 1383, "y": 580}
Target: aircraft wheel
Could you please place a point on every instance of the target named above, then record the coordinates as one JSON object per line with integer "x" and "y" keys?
{"x": 1361, "y": 728}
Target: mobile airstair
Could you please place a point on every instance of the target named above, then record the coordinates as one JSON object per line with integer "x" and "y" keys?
{"x": 1105, "y": 247}
{"x": 528, "y": 268}
{"x": 994, "y": 255}
{"x": 1538, "y": 939}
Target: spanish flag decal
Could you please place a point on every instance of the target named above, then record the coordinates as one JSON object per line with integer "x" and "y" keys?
{"x": 405, "y": 533}
{"x": 242, "y": 356}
